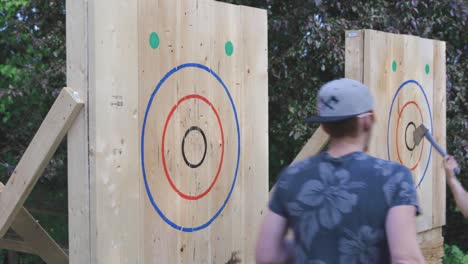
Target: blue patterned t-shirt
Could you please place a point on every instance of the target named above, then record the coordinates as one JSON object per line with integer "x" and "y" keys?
{"x": 337, "y": 206}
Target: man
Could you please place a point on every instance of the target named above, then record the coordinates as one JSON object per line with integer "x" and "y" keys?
{"x": 342, "y": 205}
{"x": 460, "y": 194}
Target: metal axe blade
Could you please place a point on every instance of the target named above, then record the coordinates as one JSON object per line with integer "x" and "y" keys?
{"x": 419, "y": 134}
{"x": 422, "y": 132}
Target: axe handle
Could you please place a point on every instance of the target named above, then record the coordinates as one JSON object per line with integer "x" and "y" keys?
{"x": 439, "y": 149}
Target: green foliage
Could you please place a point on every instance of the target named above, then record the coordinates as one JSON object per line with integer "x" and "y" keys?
{"x": 32, "y": 72}
{"x": 306, "y": 49}
{"x": 453, "y": 255}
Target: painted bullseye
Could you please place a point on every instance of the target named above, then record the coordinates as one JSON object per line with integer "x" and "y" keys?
{"x": 236, "y": 136}
{"x": 200, "y": 131}
{"x": 408, "y": 135}
{"x": 407, "y": 85}
{"x": 406, "y": 139}
{"x": 166, "y": 171}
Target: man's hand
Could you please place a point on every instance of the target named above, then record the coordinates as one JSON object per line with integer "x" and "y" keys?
{"x": 450, "y": 165}
{"x": 460, "y": 194}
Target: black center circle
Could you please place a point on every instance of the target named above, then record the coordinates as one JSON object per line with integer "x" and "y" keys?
{"x": 191, "y": 165}
{"x": 410, "y": 124}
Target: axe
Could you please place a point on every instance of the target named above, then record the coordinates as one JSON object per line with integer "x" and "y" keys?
{"x": 421, "y": 132}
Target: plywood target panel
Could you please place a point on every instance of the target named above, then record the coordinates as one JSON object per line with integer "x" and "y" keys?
{"x": 407, "y": 77}
{"x": 203, "y": 129}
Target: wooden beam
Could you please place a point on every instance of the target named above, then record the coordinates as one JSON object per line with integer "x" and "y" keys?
{"x": 37, "y": 156}
{"x": 79, "y": 62}
{"x": 36, "y": 240}
{"x": 16, "y": 245}
{"x": 440, "y": 118}
{"x": 35, "y": 236}
{"x": 314, "y": 145}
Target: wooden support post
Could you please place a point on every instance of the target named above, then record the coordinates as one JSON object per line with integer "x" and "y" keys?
{"x": 36, "y": 238}
{"x": 37, "y": 156}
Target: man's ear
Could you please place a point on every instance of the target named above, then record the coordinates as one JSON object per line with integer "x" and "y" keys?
{"x": 367, "y": 123}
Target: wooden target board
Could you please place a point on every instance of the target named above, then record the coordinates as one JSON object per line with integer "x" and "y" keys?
{"x": 177, "y": 123}
{"x": 203, "y": 105}
{"x": 407, "y": 77}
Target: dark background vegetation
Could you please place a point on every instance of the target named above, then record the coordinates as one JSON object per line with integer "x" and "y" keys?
{"x": 306, "y": 49}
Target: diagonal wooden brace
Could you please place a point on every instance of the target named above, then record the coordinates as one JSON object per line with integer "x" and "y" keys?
{"x": 36, "y": 239}
{"x": 314, "y": 145}
{"x": 38, "y": 154}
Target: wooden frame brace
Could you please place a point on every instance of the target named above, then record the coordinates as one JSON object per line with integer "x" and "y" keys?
{"x": 36, "y": 239}
{"x": 38, "y": 154}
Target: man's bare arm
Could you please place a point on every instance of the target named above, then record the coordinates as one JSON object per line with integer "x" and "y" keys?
{"x": 400, "y": 227}
{"x": 272, "y": 247}
{"x": 460, "y": 194}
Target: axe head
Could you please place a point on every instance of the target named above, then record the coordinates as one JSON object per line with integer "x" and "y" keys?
{"x": 419, "y": 133}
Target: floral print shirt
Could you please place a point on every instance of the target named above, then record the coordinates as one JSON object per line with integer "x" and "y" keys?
{"x": 337, "y": 206}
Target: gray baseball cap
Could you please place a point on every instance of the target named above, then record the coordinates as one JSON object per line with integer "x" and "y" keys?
{"x": 342, "y": 99}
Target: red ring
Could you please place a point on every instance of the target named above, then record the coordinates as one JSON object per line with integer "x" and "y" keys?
{"x": 398, "y": 125}
{"x": 181, "y": 194}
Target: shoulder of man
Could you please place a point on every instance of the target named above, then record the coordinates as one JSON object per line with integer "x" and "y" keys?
{"x": 301, "y": 166}
{"x": 292, "y": 172}
{"x": 387, "y": 167}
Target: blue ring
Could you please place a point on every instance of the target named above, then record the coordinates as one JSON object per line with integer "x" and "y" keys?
{"x": 430, "y": 119}
{"x": 142, "y": 148}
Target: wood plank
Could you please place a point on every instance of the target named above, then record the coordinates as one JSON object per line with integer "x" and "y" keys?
{"x": 37, "y": 155}
{"x": 393, "y": 62}
{"x": 153, "y": 63}
{"x": 77, "y": 43}
{"x": 438, "y": 179}
{"x": 254, "y": 101}
{"x": 16, "y": 245}
{"x": 36, "y": 237}
{"x": 432, "y": 245}
{"x": 228, "y": 227}
{"x": 198, "y": 33}
{"x": 113, "y": 132}
{"x": 354, "y": 55}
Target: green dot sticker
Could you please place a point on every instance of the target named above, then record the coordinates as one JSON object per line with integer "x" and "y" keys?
{"x": 229, "y": 48}
{"x": 394, "y": 65}
{"x": 428, "y": 69}
{"x": 154, "y": 40}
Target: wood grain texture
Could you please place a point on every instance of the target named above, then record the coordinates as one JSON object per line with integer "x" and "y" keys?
{"x": 37, "y": 240}
{"x": 354, "y": 54}
{"x": 440, "y": 99}
{"x": 113, "y": 131}
{"x": 395, "y": 70}
{"x": 199, "y": 34}
{"x": 388, "y": 60}
{"x": 254, "y": 168}
{"x": 38, "y": 154}
{"x": 77, "y": 35}
{"x": 16, "y": 245}
{"x": 432, "y": 245}
{"x": 314, "y": 145}
{"x": 119, "y": 69}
